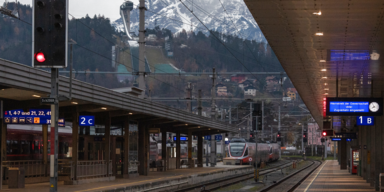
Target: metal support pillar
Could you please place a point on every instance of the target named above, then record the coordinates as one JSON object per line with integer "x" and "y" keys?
{"x": 126, "y": 148}
{"x": 199, "y": 107}
{"x": 278, "y": 128}
{"x": 190, "y": 162}
{"x": 262, "y": 119}
{"x": 213, "y": 151}
{"x": 363, "y": 153}
{"x": 325, "y": 148}
{"x": 143, "y": 149}
{"x": 302, "y": 140}
{"x": 373, "y": 154}
{"x": 369, "y": 153}
{"x": 75, "y": 140}
{"x": 3, "y": 153}
{"x": 189, "y": 97}
{"x": 178, "y": 150}
{"x": 108, "y": 142}
{"x": 45, "y": 146}
{"x": 164, "y": 156}
{"x": 343, "y": 154}
{"x": 142, "y": 48}
{"x": 200, "y": 150}
{"x": 54, "y": 131}
{"x": 334, "y": 150}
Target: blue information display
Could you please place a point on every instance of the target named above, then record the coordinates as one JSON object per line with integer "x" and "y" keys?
{"x": 365, "y": 120}
{"x": 218, "y": 137}
{"x": 86, "y": 120}
{"x": 181, "y": 138}
{"x": 350, "y": 55}
{"x": 335, "y": 139}
{"x": 207, "y": 137}
{"x": 352, "y": 107}
{"x": 34, "y": 116}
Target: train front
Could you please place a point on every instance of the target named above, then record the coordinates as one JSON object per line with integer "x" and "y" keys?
{"x": 236, "y": 150}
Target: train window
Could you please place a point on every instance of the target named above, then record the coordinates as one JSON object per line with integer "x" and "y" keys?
{"x": 36, "y": 147}
{"x": 9, "y": 148}
{"x": 236, "y": 149}
{"x": 24, "y": 147}
{"x": 15, "y": 148}
{"x": 246, "y": 152}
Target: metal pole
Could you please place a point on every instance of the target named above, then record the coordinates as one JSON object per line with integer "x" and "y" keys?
{"x": 262, "y": 118}
{"x": 302, "y": 141}
{"x": 250, "y": 117}
{"x": 256, "y": 178}
{"x": 312, "y": 141}
{"x": 279, "y": 130}
{"x": 142, "y": 48}
{"x": 334, "y": 149}
{"x": 54, "y": 130}
{"x": 325, "y": 148}
{"x": 199, "y": 108}
{"x": 213, "y": 116}
{"x": 70, "y": 73}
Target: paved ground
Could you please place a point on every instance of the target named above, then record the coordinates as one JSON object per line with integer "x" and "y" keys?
{"x": 153, "y": 176}
{"x": 329, "y": 177}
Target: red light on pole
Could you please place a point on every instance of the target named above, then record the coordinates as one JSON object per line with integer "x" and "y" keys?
{"x": 40, "y": 57}
{"x": 324, "y": 133}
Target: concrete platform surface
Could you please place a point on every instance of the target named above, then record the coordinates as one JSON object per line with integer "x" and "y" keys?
{"x": 329, "y": 177}
{"x": 155, "y": 179}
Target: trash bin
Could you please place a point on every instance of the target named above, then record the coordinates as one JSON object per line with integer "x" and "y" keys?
{"x": 16, "y": 177}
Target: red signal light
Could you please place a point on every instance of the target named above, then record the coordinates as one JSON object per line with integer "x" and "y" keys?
{"x": 324, "y": 133}
{"x": 304, "y": 136}
{"x": 40, "y": 57}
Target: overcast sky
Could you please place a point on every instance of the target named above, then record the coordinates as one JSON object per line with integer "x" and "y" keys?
{"x": 79, "y": 8}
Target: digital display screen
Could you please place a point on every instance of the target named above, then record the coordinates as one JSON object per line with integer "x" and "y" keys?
{"x": 349, "y": 55}
{"x": 181, "y": 138}
{"x": 335, "y": 139}
{"x": 353, "y": 106}
{"x": 33, "y": 116}
{"x": 349, "y": 106}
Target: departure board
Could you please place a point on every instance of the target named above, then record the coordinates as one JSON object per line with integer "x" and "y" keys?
{"x": 33, "y": 116}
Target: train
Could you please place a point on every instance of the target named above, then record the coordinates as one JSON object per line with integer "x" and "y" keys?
{"x": 241, "y": 152}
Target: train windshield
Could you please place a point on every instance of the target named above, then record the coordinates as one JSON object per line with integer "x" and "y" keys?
{"x": 236, "y": 149}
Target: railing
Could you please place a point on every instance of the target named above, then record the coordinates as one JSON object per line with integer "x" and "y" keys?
{"x": 91, "y": 169}
{"x": 33, "y": 168}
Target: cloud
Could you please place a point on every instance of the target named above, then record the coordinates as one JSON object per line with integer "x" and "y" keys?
{"x": 79, "y": 8}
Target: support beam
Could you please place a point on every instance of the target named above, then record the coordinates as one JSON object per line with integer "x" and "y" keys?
{"x": 3, "y": 144}
{"x": 107, "y": 142}
{"x": 200, "y": 150}
{"x": 343, "y": 154}
{"x": 190, "y": 163}
{"x": 164, "y": 149}
{"x": 178, "y": 150}
{"x": 126, "y": 148}
{"x": 75, "y": 140}
{"x": 45, "y": 147}
{"x": 143, "y": 149}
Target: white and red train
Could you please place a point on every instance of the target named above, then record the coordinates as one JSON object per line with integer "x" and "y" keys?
{"x": 241, "y": 152}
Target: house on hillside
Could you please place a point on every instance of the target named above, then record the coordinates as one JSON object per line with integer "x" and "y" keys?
{"x": 249, "y": 91}
{"x": 245, "y": 83}
{"x": 292, "y": 92}
{"x": 272, "y": 83}
{"x": 221, "y": 90}
{"x": 238, "y": 77}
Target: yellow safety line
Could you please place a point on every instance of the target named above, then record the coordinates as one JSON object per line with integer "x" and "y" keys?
{"x": 315, "y": 177}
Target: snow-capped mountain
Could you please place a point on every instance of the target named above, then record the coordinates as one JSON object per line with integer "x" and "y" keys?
{"x": 171, "y": 14}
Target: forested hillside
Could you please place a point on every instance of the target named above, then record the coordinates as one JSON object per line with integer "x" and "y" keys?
{"x": 95, "y": 37}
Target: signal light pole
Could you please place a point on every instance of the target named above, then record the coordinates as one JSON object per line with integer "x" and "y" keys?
{"x": 50, "y": 50}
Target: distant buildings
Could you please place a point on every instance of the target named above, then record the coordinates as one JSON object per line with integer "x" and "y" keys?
{"x": 245, "y": 83}
{"x": 249, "y": 91}
{"x": 292, "y": 92}
{"x": 272, "y": 83}
{"x": 238, "y": 77}
{"x": 221, "y": 90}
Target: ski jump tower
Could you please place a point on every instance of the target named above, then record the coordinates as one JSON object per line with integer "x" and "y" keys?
{"x": 125, "y": 13}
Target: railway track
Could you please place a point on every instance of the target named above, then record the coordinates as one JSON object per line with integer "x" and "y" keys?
{"x": 232, "y": 180}
{"x": 292, "y": 181}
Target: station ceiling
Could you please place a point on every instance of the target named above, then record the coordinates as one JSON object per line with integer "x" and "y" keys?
{"x": 319, "y": 40}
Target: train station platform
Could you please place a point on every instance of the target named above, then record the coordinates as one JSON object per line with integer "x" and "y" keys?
{"x": 171, "y": 179}
{"x": 329, "y": 177}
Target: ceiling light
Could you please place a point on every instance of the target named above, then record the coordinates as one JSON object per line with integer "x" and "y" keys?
{"x": 36, "y": 95}
{"x": 322, "y": 61}
{"x": 325, "y": 83}
{"x": 2, "y": 89}
{"x": 186, "y": 124}
{"x": 326, "y": 89}
{"x": 130, "y": 113}
{"x": 75, "y": 103}
{"x": 319, "y": 34}
{"x": 209, "y": 128}
{"x": 198, "y": 127}
{"x": 324, "y": 77}
{"x": 317, "y": 13}
{"x": 104, "y": 108}
{"x": 325, "y": 93}
{"x": 324, "y": 70}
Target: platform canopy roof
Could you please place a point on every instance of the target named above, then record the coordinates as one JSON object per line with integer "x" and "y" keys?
{"x": 19, "y": 84}
{"x": 319, "y": 40}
